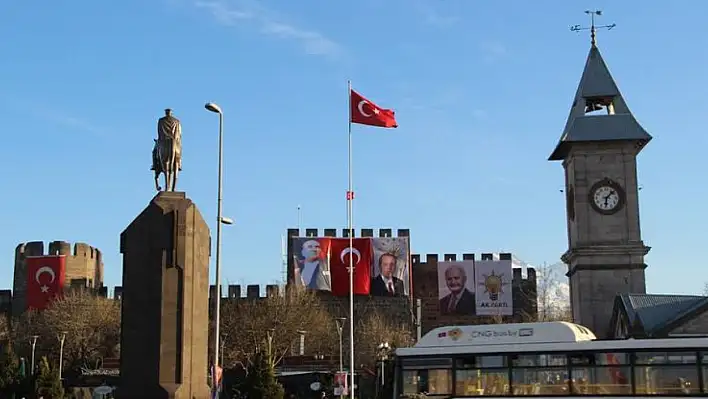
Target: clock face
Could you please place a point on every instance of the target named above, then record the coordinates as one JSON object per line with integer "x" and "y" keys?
{"x": 606, "y": 198}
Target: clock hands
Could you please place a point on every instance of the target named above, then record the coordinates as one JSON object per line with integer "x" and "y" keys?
{"x": 607, "y": 197}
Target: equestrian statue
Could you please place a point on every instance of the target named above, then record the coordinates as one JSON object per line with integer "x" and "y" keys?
{"x": 167, "y": 151}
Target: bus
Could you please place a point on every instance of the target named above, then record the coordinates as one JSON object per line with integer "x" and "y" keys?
{"x": 545, "y": 360}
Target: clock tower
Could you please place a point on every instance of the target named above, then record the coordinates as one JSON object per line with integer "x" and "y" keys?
{"x": 599, "y": 148}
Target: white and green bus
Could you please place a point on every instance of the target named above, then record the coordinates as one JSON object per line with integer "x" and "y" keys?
{"x": 548, "y": 360}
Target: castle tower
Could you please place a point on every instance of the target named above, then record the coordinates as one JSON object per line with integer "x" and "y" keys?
{"x": 599, "y": 148}
{"x": 84, "y": 267}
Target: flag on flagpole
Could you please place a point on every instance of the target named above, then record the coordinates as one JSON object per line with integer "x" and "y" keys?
{"x": 365, "y": 112}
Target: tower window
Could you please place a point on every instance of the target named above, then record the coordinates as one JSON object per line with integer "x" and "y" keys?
{"x": 594, "y": 104}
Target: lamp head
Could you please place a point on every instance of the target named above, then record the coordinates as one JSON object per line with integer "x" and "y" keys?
{"x": 213, "y": 107}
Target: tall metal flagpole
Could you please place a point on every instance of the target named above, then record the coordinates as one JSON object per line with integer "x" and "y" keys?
{"x": 350, "y": 213}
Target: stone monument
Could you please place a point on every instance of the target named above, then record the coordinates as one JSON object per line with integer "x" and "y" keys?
{"x": 164, "y": 324}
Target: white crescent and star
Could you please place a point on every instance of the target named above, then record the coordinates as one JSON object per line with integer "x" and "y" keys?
{"x": 354, "y": 252}
{"x": 361, "y": 109}
{"x": 42, "y": 270}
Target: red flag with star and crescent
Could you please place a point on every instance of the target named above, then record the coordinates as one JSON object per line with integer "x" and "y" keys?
{"x": 45, "y": 280}
{"x": 339, "y": 258}
{"x": 365, "y": 112}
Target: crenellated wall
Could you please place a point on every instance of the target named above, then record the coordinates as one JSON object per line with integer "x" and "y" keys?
{"x": 425, "y": 288}
{"x": 84, "y": 267}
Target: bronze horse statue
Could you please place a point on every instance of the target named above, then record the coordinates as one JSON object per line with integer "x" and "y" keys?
{"x": 167, "y": 151}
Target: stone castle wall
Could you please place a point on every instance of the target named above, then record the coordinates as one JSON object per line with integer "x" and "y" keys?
{"x": 84, "y": 267}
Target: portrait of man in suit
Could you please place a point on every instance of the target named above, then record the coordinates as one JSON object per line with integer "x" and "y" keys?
{"x": 312, "y": 269}
{"x": 460, "y": 300}
{"x": 386, "y": 283}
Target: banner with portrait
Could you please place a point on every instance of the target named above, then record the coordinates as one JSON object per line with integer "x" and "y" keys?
{"x": 493, "y": 282}
{"x": 381, "y": 265}
{"x": 456, "y": 289}
{"x": 390, "y": 266}
{"x": 309, "y": 263}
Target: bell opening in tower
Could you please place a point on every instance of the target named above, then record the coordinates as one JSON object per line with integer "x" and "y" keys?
{"x": 595, "y": 105}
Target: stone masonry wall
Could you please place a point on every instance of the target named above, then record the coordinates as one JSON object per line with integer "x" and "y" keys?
{"x": 84, "y": 267}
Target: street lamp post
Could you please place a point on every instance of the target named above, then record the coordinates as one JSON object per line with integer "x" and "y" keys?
{"x": 219, "y": 221}
{"x": 340, "y": 324}
{"x": 383, "y": 349}
{"x": 223, "y": 344}
{"x": 61, "y": 338}
{"x": 33, "y": 341}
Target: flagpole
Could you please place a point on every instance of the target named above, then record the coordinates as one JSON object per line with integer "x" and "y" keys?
{"x": 350, "y": 213}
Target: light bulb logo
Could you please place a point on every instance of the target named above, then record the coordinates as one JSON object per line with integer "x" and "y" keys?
{"x": 455, "y": 333}
{"x": 494, "y": 285}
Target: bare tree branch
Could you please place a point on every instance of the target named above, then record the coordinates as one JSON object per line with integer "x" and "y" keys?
{"x": 553, "y": 303}
{"x": 91, "y": 324}
{"x": 376, "y": 328}
{"x": 248, "y": 323}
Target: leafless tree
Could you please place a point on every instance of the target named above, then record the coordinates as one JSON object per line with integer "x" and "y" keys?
{"x": 273, "y": 325}
{"x": 376, "y": 328}
{"x": 551, "y": 298}
{"x": 90, "y": 324}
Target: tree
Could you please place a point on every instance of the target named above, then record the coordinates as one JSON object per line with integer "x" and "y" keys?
{"x": 552, "y": 296}
{"x": 376, "y": 328}
{"x": 4, "y": 329}
{"x": 9, "y": 369}
{"x": 261, "y": 382}
{"x": 91, "y": 325}
{"x": 48, "y": 385}
{"x": 271, "y": 326}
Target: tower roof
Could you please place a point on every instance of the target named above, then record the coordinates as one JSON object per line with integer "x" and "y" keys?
{"x": 597, "y": 91}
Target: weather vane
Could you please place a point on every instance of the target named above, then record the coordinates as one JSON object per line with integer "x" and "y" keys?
{"x": 592, "y": 28}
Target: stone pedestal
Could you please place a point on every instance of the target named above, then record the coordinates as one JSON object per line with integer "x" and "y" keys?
{"x": 165, "y": 326}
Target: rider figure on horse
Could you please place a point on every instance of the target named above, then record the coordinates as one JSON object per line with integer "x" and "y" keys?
{"x": 167, "y": 152}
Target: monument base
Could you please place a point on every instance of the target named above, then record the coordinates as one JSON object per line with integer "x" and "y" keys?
{"x": 165, "y": 324}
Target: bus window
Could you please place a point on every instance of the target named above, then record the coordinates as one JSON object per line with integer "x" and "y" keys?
{"x": 431, "y": 382}
{"x": 481, "y": 375}
{"x": 601, "y": 374}
{"x": 666, "y": 373}
{"x": 538, "y": 360}
{"x": 539, "y": 374}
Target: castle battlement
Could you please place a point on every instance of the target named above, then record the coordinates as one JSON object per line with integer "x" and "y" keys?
{"x": 36, "y": 248}
{"x": 345, "y": 233}
{"x": 431, "y": 262}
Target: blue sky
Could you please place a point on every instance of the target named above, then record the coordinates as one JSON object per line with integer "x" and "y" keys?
{"x": 481, "y": 92}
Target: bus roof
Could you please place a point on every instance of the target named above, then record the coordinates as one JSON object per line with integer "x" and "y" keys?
{"x": 664, "y": 344}
{"x": 505, "y": 334}
{"x": 531, "y": 337}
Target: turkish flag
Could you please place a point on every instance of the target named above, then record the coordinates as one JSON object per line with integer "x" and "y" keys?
{"x": 364, "y": 112}
{"x": 45, "y": 280}
{"x": 340, "y": 255}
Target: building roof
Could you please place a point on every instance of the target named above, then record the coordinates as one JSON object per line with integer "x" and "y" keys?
{"x": 658, "y": 313}
{"x": 597, "y": 90}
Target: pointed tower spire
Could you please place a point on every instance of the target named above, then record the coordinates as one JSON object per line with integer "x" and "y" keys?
{"x": 598, "y": 91}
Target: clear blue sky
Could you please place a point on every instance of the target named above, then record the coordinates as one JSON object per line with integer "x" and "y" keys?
{"x": 481, "y": 91}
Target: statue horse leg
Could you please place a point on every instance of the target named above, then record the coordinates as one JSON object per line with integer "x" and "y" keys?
{"x": 157, "y": 184}
{"x": 168, "y": 180}
{"x": 175, "y": 173}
